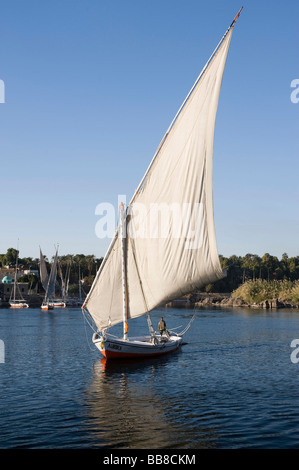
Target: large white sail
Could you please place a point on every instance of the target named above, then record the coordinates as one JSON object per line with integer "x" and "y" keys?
{"x": 171, "y": 244}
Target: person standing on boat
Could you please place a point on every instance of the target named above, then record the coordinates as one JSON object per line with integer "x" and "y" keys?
{"x": 162, "y": 326}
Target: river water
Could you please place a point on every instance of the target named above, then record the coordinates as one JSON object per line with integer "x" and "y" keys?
{"x": 232, "y": 386}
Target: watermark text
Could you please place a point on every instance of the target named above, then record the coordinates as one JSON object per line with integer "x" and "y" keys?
{"x": 2, "y": 92}
{"x": 295, "y": 92}
{"x": 155, "y": 221}
{"x": 295, "y": 354}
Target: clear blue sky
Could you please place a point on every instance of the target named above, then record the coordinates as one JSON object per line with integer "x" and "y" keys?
{"x": 92, "y": 85}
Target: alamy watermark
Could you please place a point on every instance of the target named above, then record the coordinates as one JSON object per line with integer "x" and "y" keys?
{"x": 155, "y": 221}
{"x": 2, "y": 92}
{"x": 295, "y": 92}
{"x": 295, "y": 354}
{"x": 2, "y": 352}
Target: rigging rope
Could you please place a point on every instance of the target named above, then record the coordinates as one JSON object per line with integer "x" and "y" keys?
{"x": 187, "y": 327}
{"x": 85, "y": 318}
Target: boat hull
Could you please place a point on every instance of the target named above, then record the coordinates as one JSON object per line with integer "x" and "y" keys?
{"x": 52, "y": 305}
{"x": 47, "y": 307}
{"x": 114, "y": 348}
{"x": 19, "y": 305}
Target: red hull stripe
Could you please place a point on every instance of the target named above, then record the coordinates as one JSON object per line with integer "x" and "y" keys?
{"x": 118, "y": 355}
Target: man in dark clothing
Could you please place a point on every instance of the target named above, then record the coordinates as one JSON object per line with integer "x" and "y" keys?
{"x": 162, "y": 326}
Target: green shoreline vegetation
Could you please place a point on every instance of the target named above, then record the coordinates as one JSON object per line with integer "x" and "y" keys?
{"x": 256, "y": 279}
{"x": 252, "y": 280}
{"x": 251, "y": 267}
{"x": 260, "y": 290}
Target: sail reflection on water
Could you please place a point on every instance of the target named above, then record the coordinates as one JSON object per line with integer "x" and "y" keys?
{"x": 130, "y": 410}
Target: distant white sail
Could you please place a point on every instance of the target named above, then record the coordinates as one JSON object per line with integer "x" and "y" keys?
{"x": 52, "y": 279}
{"x": 44, "y": 276}
{"x": 170, "y": 257}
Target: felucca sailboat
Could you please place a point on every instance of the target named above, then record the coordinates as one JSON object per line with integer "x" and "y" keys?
{"x": 144, "y": 267}
{"x": 48, "y": 282}
{"x": 14, "y": 301}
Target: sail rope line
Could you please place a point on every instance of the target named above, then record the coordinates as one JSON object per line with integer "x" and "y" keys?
{"x": 84, "y": 311}
{"x": 102, "y": 265}
{"x": 111, "y": 246}
{"x": 149, "y": 321}
{"x": 187, "y": 327}
{"x": 112, "y": 290}
{"x": 137, "y": 269}
{"x": 92, "y": 324}
{"x": 152, "y": 331}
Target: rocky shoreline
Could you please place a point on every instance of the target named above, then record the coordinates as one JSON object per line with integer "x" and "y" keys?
{"x": 226, "y": 300}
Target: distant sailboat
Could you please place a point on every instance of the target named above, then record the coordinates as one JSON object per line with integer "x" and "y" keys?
{"x": 16, "y": 299}
{"x": 67, "y": 281}
{"x": 60, "y": 302}
{"x": 80, "y": 286}
{"x": 49, "y": 283}
{"x": 142, "y": 271}
{"x": 82, "y": 294}
{"x": 74, "y": 301}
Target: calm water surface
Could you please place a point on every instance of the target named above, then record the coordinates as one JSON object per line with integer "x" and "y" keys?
{"x": 232, "y": 385}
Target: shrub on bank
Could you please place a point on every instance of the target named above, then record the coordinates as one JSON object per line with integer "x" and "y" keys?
{"x": 259, "y": 290}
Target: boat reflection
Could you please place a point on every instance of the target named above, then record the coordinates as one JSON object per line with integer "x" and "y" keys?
{"x": 131, "y": 406}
